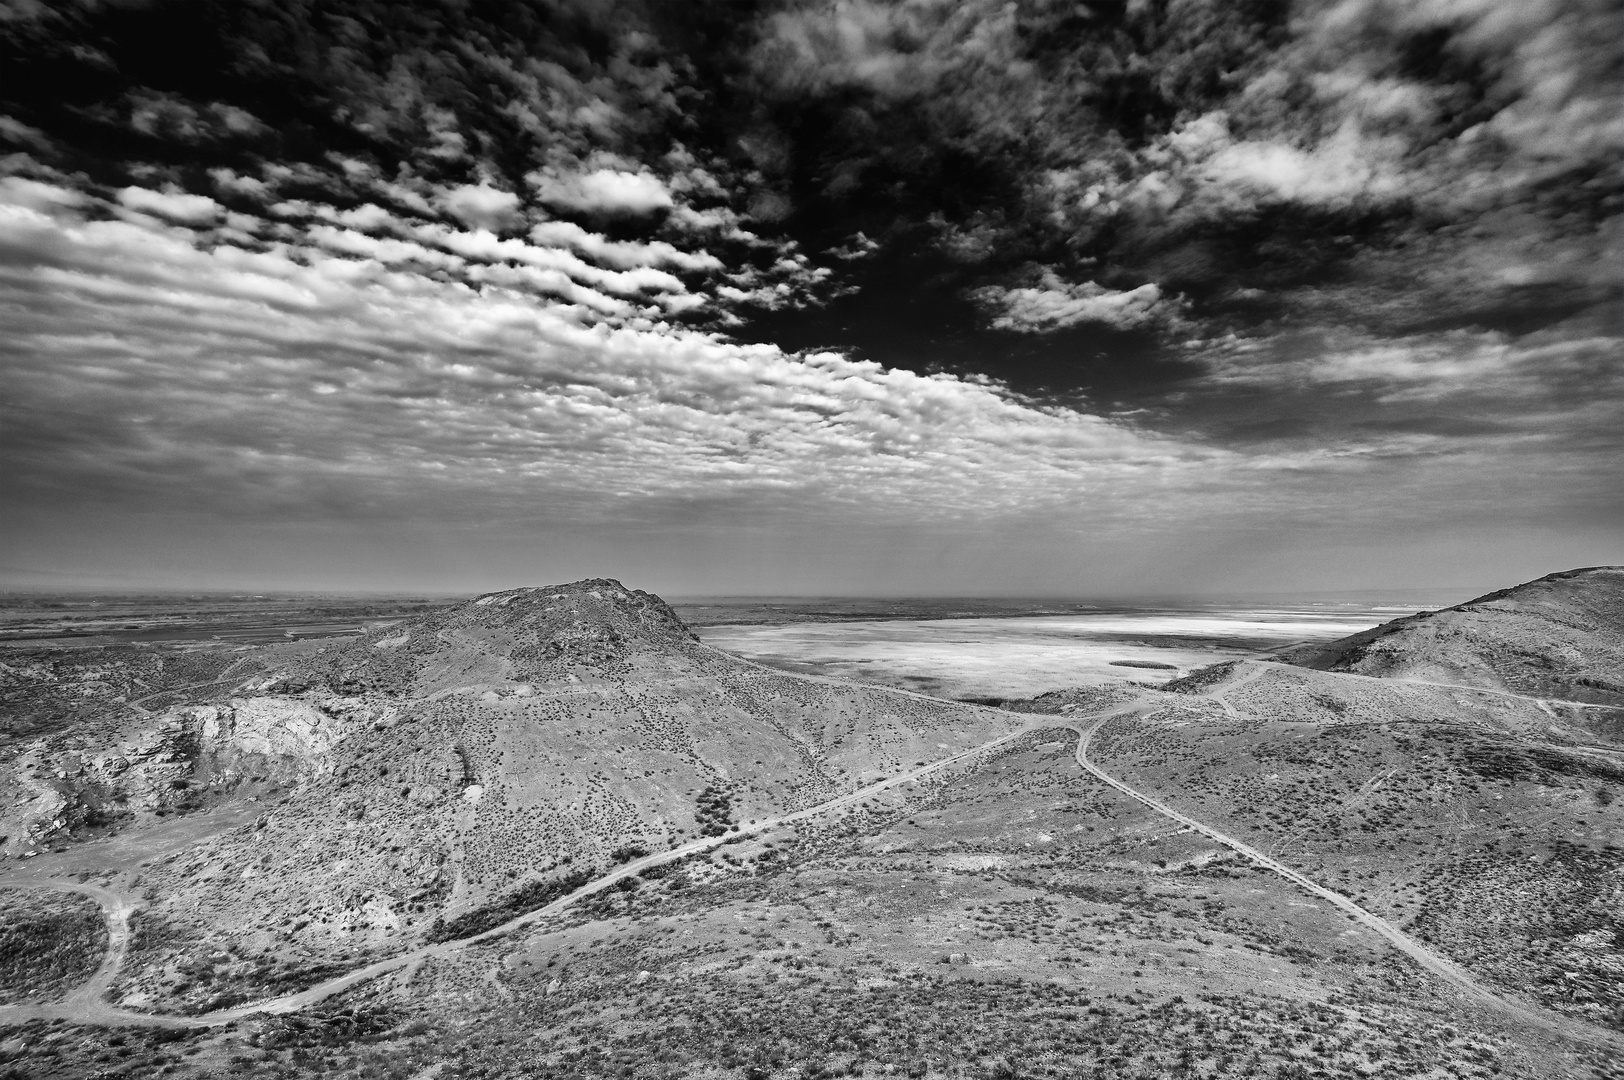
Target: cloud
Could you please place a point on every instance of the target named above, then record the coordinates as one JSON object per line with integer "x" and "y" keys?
{"x": 790, "y": 282}
{"x": 481, "y": 206}
{"x": 1366, "y": 249}
{"x": 37, "y": 196}
{"x": 154, "y": 372}
{"x": 13, "y": 130}
{"x": 387, "y": 251}
{"x": 171, "y": 204}
{"x": 1056, "y": 305}
{"x": 720, "y": 221}
{"x": 169, "y": 116}
{"x": 1213, "y": 148}
{"x": 237, "y": 121}
{"x": 405, "y": 195}
{"x": 1540, "y": 380}
{"x": 486, "y": 246}
{"x": 1344, "y": 167}
{"x": 623, "y": 254}
{"x": 610, "y": 272}
{"x": 228, "y": 182}
{"x": 602, "y": 191}
{"x": 368, "y": 218}
{"x": 896, "y": 50}
{"x": 857, "y": 246}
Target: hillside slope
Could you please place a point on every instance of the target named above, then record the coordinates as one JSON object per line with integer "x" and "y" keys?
{"x": 461, "y": 764}
{"x": 1561, "y": 636}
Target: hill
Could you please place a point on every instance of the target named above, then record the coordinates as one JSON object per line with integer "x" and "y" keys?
{"x": 449, "y": 771}
{"x": 1560, "y": 636}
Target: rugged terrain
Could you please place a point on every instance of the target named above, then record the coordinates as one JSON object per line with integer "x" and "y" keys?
{"x": 547, "y": 833}
{"x": 417, "y": 776}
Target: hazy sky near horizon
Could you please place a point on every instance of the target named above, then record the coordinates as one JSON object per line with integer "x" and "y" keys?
{"x": 841, "y": 298}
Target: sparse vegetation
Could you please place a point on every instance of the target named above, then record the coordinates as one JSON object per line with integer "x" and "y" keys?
{"x": 1012, "y": 916}
{"x": 528, "y": 897}
{"x": 50, "y": 942}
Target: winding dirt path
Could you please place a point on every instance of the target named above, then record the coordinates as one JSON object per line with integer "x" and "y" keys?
{"x": 86, "y": 1004}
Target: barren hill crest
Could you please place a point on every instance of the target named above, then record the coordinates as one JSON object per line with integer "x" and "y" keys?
{"x": 581, "y": 620}
{"x": 514, "y": 636}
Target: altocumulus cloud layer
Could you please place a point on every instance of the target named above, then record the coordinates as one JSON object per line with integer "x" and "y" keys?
{"x": 957, "y": 297}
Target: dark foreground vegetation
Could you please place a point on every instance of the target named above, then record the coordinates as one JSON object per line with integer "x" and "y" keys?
{"x": 49, "y": 943}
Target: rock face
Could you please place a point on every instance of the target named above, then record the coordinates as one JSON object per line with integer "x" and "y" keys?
{"x": 273, "y": 726}
{"x": 1561, "y": 636}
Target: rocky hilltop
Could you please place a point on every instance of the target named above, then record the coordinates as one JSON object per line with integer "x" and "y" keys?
{"x": 1560, "y": 636}
{"x": 509, "y": 638}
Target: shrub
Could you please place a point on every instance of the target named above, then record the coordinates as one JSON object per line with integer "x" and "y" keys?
{"x": 527, "y": 897}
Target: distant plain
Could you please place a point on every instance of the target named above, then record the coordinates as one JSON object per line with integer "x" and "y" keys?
{"x": 1007, "y": 649}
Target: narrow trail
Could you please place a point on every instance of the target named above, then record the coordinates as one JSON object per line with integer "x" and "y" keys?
{"x": 1259, "y": 667}
{"x": 1457, "y": 976}
{"x": 1250, "y": 674}
{"x": 136, "y": 703}
{"x": 86, "y": 1004}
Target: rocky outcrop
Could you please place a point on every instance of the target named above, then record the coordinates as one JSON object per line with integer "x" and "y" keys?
{"x": 505, "y": 642}
{"x": 272, "y": 726}
{"x": 190, "y": 757}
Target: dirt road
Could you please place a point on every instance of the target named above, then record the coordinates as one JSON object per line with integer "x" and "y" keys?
{"x": 87, "y": 1006}
{"x": 1468, "y": 986}
{"x": 1446, "y": 969}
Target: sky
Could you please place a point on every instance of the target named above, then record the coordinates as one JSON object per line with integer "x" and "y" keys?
{"x": 933, "y": 298}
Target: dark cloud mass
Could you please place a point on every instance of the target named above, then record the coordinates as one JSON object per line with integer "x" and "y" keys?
{"x": 818, "y": 268}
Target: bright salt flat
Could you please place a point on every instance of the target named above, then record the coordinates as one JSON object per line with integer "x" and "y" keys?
{"x": 1024, "y": 656}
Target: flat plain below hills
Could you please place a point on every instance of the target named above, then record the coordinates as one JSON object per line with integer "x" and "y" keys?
{"x": 972, "y": 654}
{"x": 82, "y": 619}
